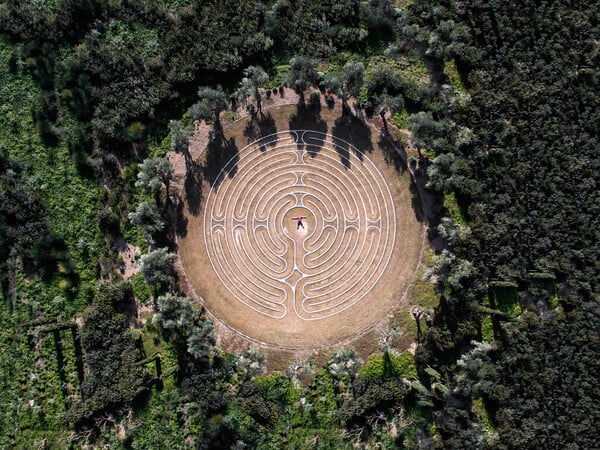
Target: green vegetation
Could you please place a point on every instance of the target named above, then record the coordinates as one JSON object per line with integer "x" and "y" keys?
{"x": 487, "y": 330}
{"x": 140, "y": 288}
{"x": 380, "y": 366}
{"x": 453, "y": 210}
{"x": 453, "y": 75}
{"x": 400, "y": 119}
{"x": 501, "y": 103}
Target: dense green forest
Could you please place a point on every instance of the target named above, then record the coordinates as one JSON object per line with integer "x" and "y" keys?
{"x": 502, "y": 107}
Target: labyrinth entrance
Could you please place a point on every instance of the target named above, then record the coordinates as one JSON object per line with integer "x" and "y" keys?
{"x": 308, "y": 283}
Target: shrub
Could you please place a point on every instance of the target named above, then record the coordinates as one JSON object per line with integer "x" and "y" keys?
{"x": 381, "y": 366}
{"x": 141, "y": 290}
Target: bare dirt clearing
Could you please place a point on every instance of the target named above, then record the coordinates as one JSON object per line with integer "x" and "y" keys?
{"x": 286, "y": 286}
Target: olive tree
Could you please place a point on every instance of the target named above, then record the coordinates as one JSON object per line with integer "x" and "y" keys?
{"x": 299, "y": 370}
{"x": 387, "y": 338}
{"x": 147, "y": 217}
{"x": 348, "y": 84}
{"x": 302, "y": 74}
{"x": 441, "y": 173}
{"x": 385, "y": 103}
{"x": 345, "y": 363}
{"x": 153, "y": 173}
{"x": 452, "y": 272}
{"x": 254, "y": 78}
{"x": 426, "y": 132}
{"x": 354, "y": 77}
{"x": 157, "y": 267}
{"x": 253, "y": 362}
{"x": 211, "y": 102}
{"x": 173, "y": 312}
{"x": 180, "y": 136}
{"x": 201, "y": 340}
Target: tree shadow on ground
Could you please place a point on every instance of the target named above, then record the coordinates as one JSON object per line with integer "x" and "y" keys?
{"x": 181, "y": 221}
{"x": 60, "y": 364}
{"x": 262, "y": 127}
{"x": 356, "y": 136}
{"x": 193, "y": 191}
{"x": 416, "y": 202}
{"x": 222, "y": 157}
{"x": 309, "y": 118}
{"x": 393, "y": 153}
{"x": 190, "y": 164}
{"x": 251, "y": 132}
{"x": 427, "y": 204}
{"x": 78, "y": 350}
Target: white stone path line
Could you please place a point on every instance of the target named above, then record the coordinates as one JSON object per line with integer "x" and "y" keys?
{"x": 272, "y": 268}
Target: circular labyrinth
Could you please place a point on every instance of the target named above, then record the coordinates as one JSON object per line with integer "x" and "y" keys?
{"x": 298, "y": 286}
{"x": 312, "y": 268}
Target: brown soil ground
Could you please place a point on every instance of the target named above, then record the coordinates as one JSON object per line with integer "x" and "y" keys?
{"x": 266, "y": 283}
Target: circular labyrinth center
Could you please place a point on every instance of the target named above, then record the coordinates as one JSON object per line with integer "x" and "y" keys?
{"x": 297, "y": 222}
{"x": 299, "y": 232}
{"x": 330, "y": 196}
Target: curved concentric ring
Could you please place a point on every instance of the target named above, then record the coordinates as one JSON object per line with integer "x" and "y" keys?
{"x": 277, "y": 268}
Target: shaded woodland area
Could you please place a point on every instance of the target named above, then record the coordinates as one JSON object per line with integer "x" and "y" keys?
{"x": 501, "y": 102}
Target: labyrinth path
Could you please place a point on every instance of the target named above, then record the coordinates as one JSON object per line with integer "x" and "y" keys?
{"x": 324, "y": 282}
{"x": 276, "y": 267}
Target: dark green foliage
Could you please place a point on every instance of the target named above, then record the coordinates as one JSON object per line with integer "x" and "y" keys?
{"x": 129, "y": 58}
{"x": 263, "y": 399}
{"x": 535, "y": 140}
{"x": 387, "y": 88}
{"x": 23, "y": 223}
{"x": 370, "y": 397}
{"x": 27, "y": 241}
{"x": 542, "y": 393}
{"x": 113, "y": 377}
{"x": 538, "y": 387}
{"x": 517, "y": 157}
{"x": 317, "y": 28}
{"x": 108, "y": 221}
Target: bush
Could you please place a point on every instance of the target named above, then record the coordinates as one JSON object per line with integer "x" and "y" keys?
{"x": 382, "y": 366}
{"x": 113, "y": 376}
{"x": 141, "y": 290}
{"x": 487, "y": 329}
{"x": 108, "y": 221}
{"x": 157, "y": 267}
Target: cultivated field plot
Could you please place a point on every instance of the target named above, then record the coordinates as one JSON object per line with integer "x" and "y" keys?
{"x": 303, "y": 241}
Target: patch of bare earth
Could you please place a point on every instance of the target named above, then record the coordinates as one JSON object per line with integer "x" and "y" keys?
{"x": 286, "y": 337}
